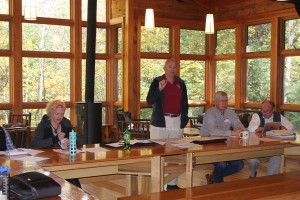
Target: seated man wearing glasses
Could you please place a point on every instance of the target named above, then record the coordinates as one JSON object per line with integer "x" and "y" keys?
{"x": 256, "y": 124}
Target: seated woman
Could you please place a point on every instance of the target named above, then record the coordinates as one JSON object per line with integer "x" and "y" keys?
{"x": 53, "y": 128}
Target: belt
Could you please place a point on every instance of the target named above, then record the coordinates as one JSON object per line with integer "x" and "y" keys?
{"x": 171, "y": 115}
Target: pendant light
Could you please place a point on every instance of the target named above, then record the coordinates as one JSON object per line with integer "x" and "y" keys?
{"x": 149, "y": 19}
{"x": 209, "y": 24}
{"x": 30, "y": 10}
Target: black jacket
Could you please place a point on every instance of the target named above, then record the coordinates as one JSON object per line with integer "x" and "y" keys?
{"x": 156, "y": 99}
{"x": 44, "y": 138}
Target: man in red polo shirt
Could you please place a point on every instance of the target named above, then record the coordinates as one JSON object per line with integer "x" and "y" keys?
{"x": 168, "y": 97}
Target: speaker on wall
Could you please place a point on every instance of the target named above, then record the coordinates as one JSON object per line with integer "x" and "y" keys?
{"x": 89, "y": 122}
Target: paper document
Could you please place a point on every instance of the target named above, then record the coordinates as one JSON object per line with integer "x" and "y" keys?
{"x": 282, "y": 134}
{"x": 29, "y": 158}
{"x": 16, "y": 152}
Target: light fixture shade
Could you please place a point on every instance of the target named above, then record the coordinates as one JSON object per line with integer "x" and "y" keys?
{"x": 149, "y": 19}
{"x": 209, "y": 24}
{"x": 29, "y": 10}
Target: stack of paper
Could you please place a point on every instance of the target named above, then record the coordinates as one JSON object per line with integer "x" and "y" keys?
{"x": 282, "y": 134}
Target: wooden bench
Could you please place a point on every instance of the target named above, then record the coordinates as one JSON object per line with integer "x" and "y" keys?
{"x": 282, "y": 186}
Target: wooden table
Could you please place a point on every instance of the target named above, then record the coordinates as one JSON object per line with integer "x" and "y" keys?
{"x": 283, "y": 186}
{"x": 234, "y": 149}
{"x": 88, "y": 164}
{"x": 68, "y": 191}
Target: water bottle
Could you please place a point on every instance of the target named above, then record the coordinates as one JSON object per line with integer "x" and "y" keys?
{"x": 72, "y": 138}
{"x": 4, "y": 182}
{"x": 126, "y": 140}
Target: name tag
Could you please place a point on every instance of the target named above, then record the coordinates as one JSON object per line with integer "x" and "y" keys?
{"x": 226, "y": 120}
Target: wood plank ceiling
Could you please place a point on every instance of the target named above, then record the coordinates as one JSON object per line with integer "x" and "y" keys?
{"x": 223, "y": 10}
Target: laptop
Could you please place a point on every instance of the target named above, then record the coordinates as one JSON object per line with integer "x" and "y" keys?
{"x": 271, "y": 126}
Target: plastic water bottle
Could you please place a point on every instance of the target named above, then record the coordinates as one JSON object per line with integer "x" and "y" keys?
{"x": 126, "y": 140}
{"x": 72, "y": 138}
{"x": 4, "y": 182}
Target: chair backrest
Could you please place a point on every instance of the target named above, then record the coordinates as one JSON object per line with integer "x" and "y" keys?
{"x": 138, "y": 128}
{"x": 20, "y": 119}
{"x": 20, "y": 136}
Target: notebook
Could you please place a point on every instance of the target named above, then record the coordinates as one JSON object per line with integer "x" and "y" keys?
{"x": 271, "y": 126}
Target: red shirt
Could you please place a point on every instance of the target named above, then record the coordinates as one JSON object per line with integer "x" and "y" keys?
{"x": 172, "y": 98}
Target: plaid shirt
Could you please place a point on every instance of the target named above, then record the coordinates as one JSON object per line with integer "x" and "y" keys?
{"x": 9, "y": 143}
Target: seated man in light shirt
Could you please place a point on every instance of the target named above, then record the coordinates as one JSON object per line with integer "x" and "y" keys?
{"x": 222, "y": 121}
{"x": 256, "y": 124}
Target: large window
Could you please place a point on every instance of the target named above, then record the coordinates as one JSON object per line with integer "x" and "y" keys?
{"x": 100, "y": 40}
{"x": 259, "y": 38}
{"x": 150, "y": 68}
{"x": 225, "y": 68}
{"x": 292, "y": 34}
{"x": 192, "y": 42}
{"x": 258, "y": 79}
{"x": 155, "y": 41}
{"x": 225, "y": 42}
{"x": 193, "y": 73}
{"x": 225, "y": 79}
{"x": 4, "y": 80}
{"x": 100, "y": 80}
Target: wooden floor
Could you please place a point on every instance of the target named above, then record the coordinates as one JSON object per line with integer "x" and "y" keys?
{"x": 112, "y": 187}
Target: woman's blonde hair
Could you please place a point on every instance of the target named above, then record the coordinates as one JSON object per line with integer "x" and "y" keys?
{"x": 52, "y": 105}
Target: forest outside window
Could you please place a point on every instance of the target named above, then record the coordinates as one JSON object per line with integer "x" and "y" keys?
{"x": 4, "y": 31}
{"x": 59, "y": 9}
{"x": 120, "y": 81}
{"x": 291, "y": 80}
{"x": 100, "y": 80}
{"x": 156, "y": 41}
{"x": 192, "y": 42}
{"x": 101, "y": 8}
{"x": 292, "y": 34}
{"x": 258, "y": 79}
{"x": 42, "y": 37}
{"x": 150, "y": 68}
{"x": 193, "y": 73}
{"x": 4, "y": 80}
{"x": 45, "y": 79}
{"x": 225, "y": 77}
{"x": 259, "y": 38}
{"x": 100, "y": 40}
{"x": 225, "y": 42}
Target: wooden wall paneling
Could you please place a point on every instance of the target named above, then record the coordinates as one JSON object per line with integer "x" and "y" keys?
{"x": 210, "y": 70}
{"x": 175, "y": 46}
{"x": 275, "y": 86}
{"x": 112, "y": 72}
{"x": 138, "y": 65}
{"x": 16, "y": 92}
{"x": 129, "y": 71}
{"x": 239, "y": 71}
{"x": 75, "y": 64}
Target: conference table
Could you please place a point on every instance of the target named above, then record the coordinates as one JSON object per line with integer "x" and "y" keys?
{"x": 68, "y": 191}
{"x": 88, "y": 162}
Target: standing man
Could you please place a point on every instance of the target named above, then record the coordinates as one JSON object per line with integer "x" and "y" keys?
{"x": 168, "y": 97}
{"x": 257, "y": 123}
{"x": 222, "y": 121}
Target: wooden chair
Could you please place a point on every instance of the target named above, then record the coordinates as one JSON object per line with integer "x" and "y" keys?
{"x": 196, "y": 122}
{"x": 139, "y": 128}
{"x": 20, "y": 119}
{"x": 20, "y": 136}
{"x": 245, "y": 116}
